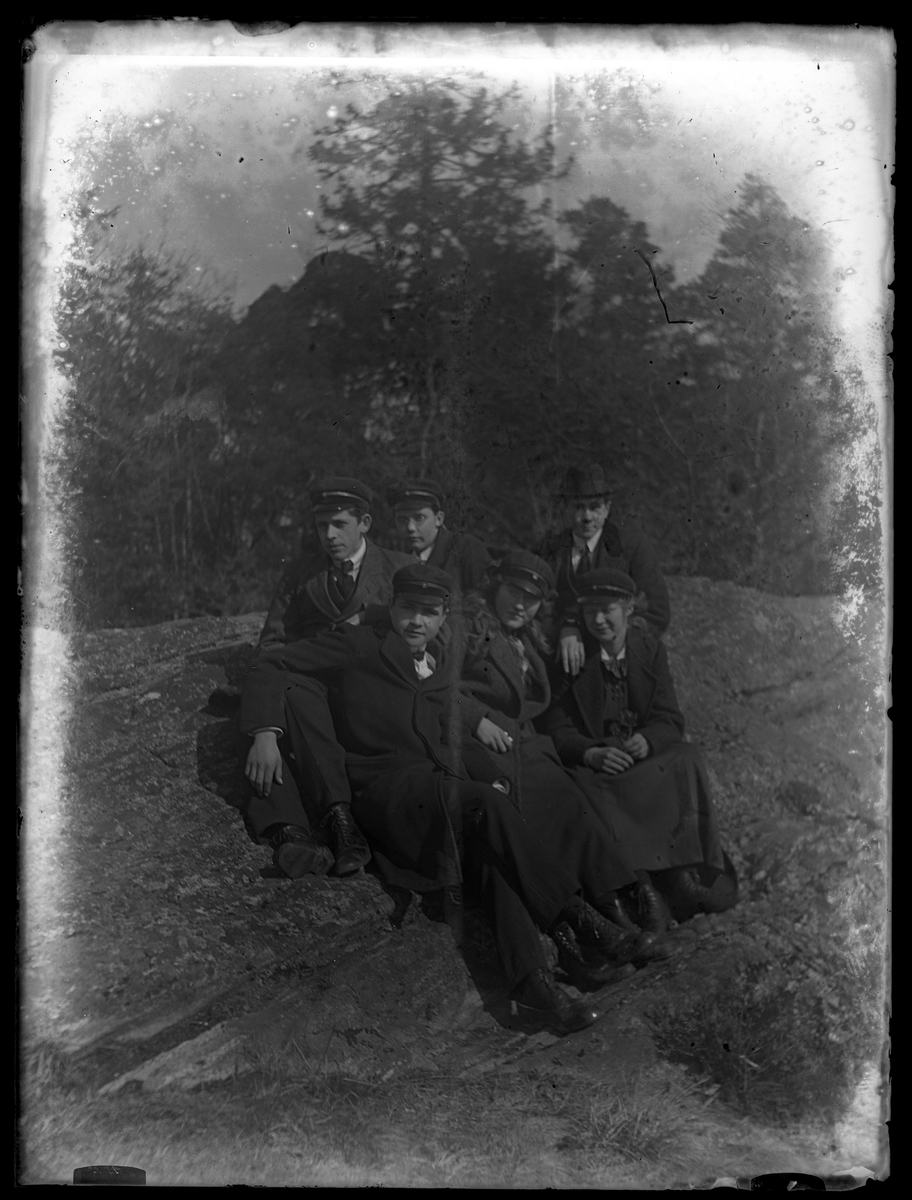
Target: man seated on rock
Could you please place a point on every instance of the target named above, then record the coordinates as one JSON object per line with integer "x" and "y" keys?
{"x": 395, "y": 706}
{"x": 592, "y": 542}
{"x": 419, "y": 509}
{"x": 318, "y": 593}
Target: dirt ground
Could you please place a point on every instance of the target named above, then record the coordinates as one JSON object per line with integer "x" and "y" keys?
{"x": 184, "y": 1006}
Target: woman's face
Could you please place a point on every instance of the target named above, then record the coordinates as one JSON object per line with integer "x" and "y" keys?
{"x": 607, "y": 621}
{"x": 514, "y": 606}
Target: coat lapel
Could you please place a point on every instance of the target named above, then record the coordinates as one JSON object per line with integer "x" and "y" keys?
{"x": 397, "y": 656}
{"x": 438, "y": 555}
{"x": 641, "y": 679}
{"x": 504, "y": 658}
{"x": 368, "y": 585}
{"x": 318, "y": 592}
{"x": 589, "y": 691}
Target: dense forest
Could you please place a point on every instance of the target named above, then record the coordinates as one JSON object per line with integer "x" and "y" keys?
{"x": 448, "y": 331}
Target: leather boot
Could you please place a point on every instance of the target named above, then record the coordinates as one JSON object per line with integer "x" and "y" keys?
{"x": 586, "y": 976}
{"x": 617, "y": 946}
{"x": 697, "y": 897}
{"x": 615, "y": 912}
{"x": 297, "y": 852}
{"x": 651, "y": 912}
{"x": 540, "y": 997}
{"x": 350, "y": 848}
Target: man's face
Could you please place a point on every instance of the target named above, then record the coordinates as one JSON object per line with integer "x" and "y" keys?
{"x": 341, "y": 533}
{"x": 514, "y": 606}
{"x": 417, "y": 620}
{"x": 607, "y": 621}
{"x": 588, "y": 517}
{"x": 419, "y": 525}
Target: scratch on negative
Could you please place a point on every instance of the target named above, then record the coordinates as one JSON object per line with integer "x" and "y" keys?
{"x": 655, "y": 284}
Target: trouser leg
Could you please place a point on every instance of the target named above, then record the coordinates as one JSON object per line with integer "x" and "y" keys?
{"x": 516, "y": 936}
{"x": 499, "y": 840}
{"x": 283, "y": 805}
{"x": 319, "y": 759}
{"x": 313, "y": 763}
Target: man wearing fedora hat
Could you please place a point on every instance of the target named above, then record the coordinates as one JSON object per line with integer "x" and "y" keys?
{"x": 318, "y": 593}
{"x": 591, "y": 542}
{"x": 396, "y": 708}
{"x": 418, "y": 505}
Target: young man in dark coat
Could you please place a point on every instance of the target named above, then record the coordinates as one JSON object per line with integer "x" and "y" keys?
{"x": 320, "y": 591}
{"x": 316, "y": 594}
{"x": 394, "y": 703}
{"x": 593, "y": 542}
{"x": 618, "y": 728}
{"x": 419, "y": 510}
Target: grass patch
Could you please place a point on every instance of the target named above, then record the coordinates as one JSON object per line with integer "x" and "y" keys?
{"x": 784, "y": 1041}
{"x": 506, "y": 1129}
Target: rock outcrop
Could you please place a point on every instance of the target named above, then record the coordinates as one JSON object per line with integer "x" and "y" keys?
{"x": 162, "y": 949}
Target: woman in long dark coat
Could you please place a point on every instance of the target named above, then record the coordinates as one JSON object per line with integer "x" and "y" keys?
{"x": 618, "y": 727}
{"x": 504, "y": 688}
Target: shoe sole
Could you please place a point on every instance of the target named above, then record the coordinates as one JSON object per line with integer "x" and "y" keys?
{"x": 550, "y": 1021}
{"x": 349, "y": 866}
{"x": 297, "y": 859}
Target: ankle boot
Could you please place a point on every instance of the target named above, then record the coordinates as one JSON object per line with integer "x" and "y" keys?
{"x": 350, "y": 848}
{"x": 540, "y": 997}
{"x": 585, "y": 976}
{"x": 617, "y": 946}
{"x": 297, "y": 852}
{"x": 652, "y": 914}
{"x": 615, "y": 912}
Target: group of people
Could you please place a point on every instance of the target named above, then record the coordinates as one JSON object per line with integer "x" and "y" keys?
{"x": 506, "y": 724}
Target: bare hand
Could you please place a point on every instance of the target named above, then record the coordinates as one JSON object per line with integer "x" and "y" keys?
{"x": 637, "y": 746}
{"x": 264, "y": 762}
{"x": 610, "y": 759}
{"x": 493, "y": 736}
{"x": 571, "y": 652}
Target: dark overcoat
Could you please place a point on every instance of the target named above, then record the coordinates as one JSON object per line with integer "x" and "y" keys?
{"x": 401, "y": 735}
{"x": 462, "y": 556}
{"x": 623, "y": 546}
{"x": 660, "y": 808}
{"x": 493, "y": 685}
{"x": 302, "y": 606}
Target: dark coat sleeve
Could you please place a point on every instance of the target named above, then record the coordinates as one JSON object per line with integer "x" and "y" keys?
{"x": 263, "y": 691}
{"x": 646, "y": 573}
{"x": 566, "y": 728}
{"x": 474, "y": 561}
{"x": 282, "y": 605}
{"x": 663, "y": 723}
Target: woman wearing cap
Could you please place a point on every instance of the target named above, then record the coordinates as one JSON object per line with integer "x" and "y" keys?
{"x": 618, "y": 726}
{"x": 504, "y": 686}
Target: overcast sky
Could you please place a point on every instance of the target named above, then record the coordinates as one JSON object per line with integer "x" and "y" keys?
{"x": 200, "y": 134}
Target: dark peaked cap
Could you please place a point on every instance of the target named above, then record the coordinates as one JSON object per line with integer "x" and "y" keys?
{"x": 585, "y": 483}
{"x": 527, "y": 571}
{"x": 420, "y": 492}
{"x": 605, "y": 582}
{"x": 422, "y": 582}
{"x": 338, "y": 492}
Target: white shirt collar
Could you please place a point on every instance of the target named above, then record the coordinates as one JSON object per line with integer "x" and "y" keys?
{"x": 607, "y": 659}
{"x": 357, "y": 558}
{"x": 579, "y": 544}
{"x": 425, "y": 554}
{"x": 424, "y": 666}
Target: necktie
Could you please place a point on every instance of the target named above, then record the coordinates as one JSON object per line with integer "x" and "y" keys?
{"x": 345, "y": 580}
{"x": 584, "y": 566}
